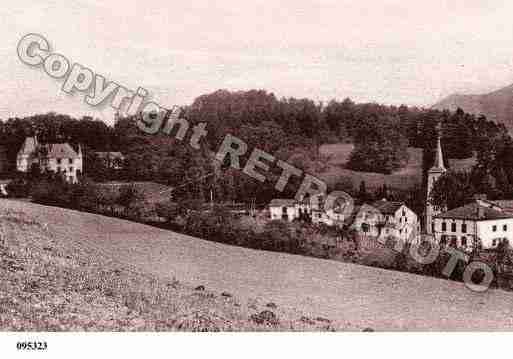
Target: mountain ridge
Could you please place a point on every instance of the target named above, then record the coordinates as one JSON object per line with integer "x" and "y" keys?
{"x": 496, "y": 105}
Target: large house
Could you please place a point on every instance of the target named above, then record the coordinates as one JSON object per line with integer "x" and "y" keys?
{"x": 55, "y": 157}
{"x": 389, "y": 219}
{"x": 480, "y": 224}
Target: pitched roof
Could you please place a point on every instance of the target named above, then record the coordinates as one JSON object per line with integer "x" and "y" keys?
{"x": 29, "y": 146}
{"x": 387, "y": 207}
{"x": 282, "y": 202}
{"x": 504, "y": 204}
{"x": 471, "y": 212}
{"x": 60, "y": 150}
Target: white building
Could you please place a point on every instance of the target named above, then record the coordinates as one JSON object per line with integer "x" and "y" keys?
{"x": 389, "y": 219}
{"x": 482, "y": 224}
{"x": 283, "y": 209}
{"x": 290, "y": 210}
{"x": 55, "y": 157}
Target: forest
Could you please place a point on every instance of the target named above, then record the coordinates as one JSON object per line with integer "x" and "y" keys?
{"x": 380, "y": 133}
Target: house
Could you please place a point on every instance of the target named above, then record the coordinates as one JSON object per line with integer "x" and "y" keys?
{"x": 284, "y": 209}
{"x": 314, "y": 208}
{"x": 111, "y": 160}
{"x": 388, "y": 218}
{"x": 54, "y": 157}
{"x": 480, "y": 224}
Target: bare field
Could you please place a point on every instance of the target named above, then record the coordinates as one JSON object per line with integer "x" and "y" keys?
{"x": 304, "y": 292}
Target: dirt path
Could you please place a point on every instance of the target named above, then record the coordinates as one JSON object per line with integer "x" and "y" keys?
{"x": 357, "y": 295}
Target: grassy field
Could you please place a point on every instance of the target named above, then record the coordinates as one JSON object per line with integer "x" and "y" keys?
{"x": 66, "y": 270}
{"x": 337, "y": 156}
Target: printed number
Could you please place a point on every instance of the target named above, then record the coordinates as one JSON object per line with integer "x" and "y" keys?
{"x": 31, "y": 345}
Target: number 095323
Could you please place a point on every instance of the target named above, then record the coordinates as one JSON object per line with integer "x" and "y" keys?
{"x": 31, "y": 345}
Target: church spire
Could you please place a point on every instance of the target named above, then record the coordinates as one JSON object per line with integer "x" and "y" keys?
{"x": 439, "y": 158}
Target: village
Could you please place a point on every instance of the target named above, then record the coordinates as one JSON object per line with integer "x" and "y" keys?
{"x": 478, "y": 225}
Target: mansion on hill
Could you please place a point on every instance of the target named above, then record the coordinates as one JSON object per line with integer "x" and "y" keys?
{"x": 54, "y": 157}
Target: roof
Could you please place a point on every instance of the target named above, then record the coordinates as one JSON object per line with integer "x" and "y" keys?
{"x": 470, "y": 212}
{"x": 281, "y": 202}
{"x": 60, "y": 150}
{"x": 505, "y": 205}
{"x": 387, "y": 207}
{"x": 29, "y": 146}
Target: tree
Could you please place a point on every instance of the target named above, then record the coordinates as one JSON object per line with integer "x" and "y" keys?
{"x": 452, "y": 189}
{"x": 379, "y": 146}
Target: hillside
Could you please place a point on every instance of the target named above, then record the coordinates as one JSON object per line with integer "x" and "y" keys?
{"x": 496, "y": 105}
{"x": 337, "y": 155}
{"x": 66, "y": 270}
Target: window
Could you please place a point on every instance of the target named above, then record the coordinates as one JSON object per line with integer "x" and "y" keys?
{"x": 59, "y": 161}
{"x": 505, "y": 228}
{"x": 453, "y": 227}
{"x": 494, "y": 243}
{"x": 70, "y": 161}
{"x": 463, "y": 241}
{"x": 494, "y": 228}
{"x": 444, "y": 226}
{"x": 463, "y": 228}
{"x": 404, "y": 213}
{"x": 433, "y": 227}
{"x": 406, "y": 219}
{"x": 400, "y": 231}
{"x": 71, "y": 169}
{"x": 453, "y": 241}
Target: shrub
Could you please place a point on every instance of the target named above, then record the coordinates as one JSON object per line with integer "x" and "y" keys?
{"x": 17, "y": 188}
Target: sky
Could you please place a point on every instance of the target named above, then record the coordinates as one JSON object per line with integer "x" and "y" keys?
{"x": 391, "y": 52}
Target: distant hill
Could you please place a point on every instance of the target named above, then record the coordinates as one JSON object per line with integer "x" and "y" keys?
{"x": 496, "y": 105}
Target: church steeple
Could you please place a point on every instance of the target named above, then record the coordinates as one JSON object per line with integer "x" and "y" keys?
{"x": 434, "y": 174}
{"x": 439, "y": 158}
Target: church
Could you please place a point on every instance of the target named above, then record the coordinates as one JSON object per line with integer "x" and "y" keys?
{"x": 54, "y": 157}
{"x": 481, "y": 224}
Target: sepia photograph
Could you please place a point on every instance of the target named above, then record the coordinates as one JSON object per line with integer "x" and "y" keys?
{"x": 316, "y": 174}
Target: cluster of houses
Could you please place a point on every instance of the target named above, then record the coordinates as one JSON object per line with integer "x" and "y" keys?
{"x": 482, "y": 224}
